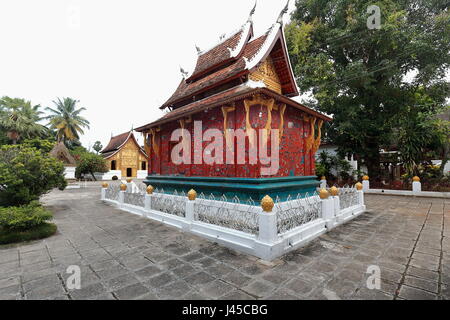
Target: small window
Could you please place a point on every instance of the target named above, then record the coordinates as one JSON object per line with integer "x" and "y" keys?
{"x": 113, "y": 165}
{"x": 144, "y": 165}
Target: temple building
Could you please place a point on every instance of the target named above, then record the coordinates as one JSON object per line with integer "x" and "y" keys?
{"x": 61, "y": 153}
{"x": 124, "y": 157}
{"x": 243, "y": 82}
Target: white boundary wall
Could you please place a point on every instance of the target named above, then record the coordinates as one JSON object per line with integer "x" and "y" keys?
{"x": 267, "y": 243}
{"x": 416, "y": 191}
{"x": 69, "y": 173}
{"x": 108, "y": 175}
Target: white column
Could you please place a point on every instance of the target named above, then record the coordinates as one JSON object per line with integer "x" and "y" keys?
{"x": 268, "y": 232}
{"x": 360, "y": 197}
{"x": 148, "y": 202}
{"x": 366, "y": 185}
{"x": 189, "y": 214}
{"x": 416, "y": 186}
{"x": 328, "y": 212}
{"x": 130, "y": 187}
{"x": 103, "y": 196}
{"x": 121, "y": 197}
{"x": 336, "y": 205}
{"x": 323, "y": 184}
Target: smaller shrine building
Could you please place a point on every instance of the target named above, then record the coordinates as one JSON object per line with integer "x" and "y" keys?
{"x": 61, "y": 153}
{"x": 124, "y": 157}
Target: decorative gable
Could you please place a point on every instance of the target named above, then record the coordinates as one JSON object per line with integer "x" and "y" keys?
{"x": 267, "y": 73}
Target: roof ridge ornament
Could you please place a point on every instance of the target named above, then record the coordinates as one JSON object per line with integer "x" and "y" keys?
{"x": 282, "y": 13}
{"x": 252, "y": 12}
{"x": 183, "y": 73}
{"x": 199, "y": 51}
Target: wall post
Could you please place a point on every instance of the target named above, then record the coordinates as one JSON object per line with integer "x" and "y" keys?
{"x": 104, "y": 188}
{"x": 327, "y": 204}
{"x": 323, "y": 182}
{"x": 366, "y": 183}
{"x": 416, "y": 185}
{"x": 190, "y": 204}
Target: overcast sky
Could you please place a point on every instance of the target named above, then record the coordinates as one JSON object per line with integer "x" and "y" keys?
{"x": 119, "y": 58}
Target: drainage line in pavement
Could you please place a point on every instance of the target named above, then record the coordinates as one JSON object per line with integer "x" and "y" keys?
{"x": 402, "y": 281}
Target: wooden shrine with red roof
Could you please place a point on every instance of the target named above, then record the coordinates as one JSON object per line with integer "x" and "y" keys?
{"x": 244, "y": 82}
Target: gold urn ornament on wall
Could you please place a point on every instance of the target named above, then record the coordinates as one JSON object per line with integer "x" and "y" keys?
{"x": 192, "y": 195}
{"x": 267, "y": 203}
{"x": 150, "y": 189}
{"x": 334, "y": 191}
{"x": 324, "y": 194}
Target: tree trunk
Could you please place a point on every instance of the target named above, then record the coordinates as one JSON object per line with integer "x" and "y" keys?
{"x": 373, "y": 165}
{"x": 93, "y": 176}
{"x": 444, "y": 160}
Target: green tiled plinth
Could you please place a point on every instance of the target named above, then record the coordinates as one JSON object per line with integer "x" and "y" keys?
{"x": 244, "y": 188}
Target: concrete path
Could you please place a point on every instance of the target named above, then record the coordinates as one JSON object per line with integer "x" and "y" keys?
{"x": 122, "y": 256}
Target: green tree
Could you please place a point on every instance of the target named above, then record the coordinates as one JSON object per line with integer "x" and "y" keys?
{"x": 45, "y": 146}
{"x": 19, "y": 119}
{"x": 90, "y": 163}
{"x": 368, "y": 78}
{"x": 97, "y": 146}
{"x": 66, "y": 120}
{"x": 26, "y": 174}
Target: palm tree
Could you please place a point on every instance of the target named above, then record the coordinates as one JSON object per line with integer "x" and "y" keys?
{"x": 18, "y": 118}
{"x": 66, "y": 120}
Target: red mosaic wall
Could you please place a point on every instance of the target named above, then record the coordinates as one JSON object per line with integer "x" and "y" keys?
{"x": 293, "y": 159}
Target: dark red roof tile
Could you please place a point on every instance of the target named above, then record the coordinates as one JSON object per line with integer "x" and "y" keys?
{"x": 216, "y": 55}
{"x": 186, "y": 89}
{"x": 116, "y": 142}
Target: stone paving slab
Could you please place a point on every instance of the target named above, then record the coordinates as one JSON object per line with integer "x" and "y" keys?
{"x": 123, "y": 256}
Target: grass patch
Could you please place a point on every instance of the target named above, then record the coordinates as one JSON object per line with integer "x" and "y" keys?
{"x": 39, "y": 232}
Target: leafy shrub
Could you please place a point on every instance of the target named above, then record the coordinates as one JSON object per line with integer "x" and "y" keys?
{"x": 26, "y": 174}
{"x": 332, "y": 167}
{"x": 24, "y": 217}
{"x": 89, "y": 163}
{"x": 41, "y": 144}
{"x": 13, "y": 236}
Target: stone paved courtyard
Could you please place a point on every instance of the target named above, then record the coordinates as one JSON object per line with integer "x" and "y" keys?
{"x": 123, "y": 256}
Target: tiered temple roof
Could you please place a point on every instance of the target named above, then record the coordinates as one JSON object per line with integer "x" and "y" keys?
{"x": 222, "y": 73}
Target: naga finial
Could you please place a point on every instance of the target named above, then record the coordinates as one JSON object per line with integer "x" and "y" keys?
{"x": 252, "y": 12}
{"x": 183, "y": 72}
{"x": 198, "y": 49}
{"x": 282, "y": 13}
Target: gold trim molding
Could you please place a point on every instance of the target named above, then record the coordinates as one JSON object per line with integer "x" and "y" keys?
{"x": 225, "y": 111}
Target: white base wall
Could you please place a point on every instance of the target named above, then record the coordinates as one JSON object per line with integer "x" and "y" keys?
{"x": 431, "y": 194}
{"x": 69, "y": 172}
{"x": 142, "y": 174}
{"x": 267, "y": 245}
{"x": 108, "y": 175}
